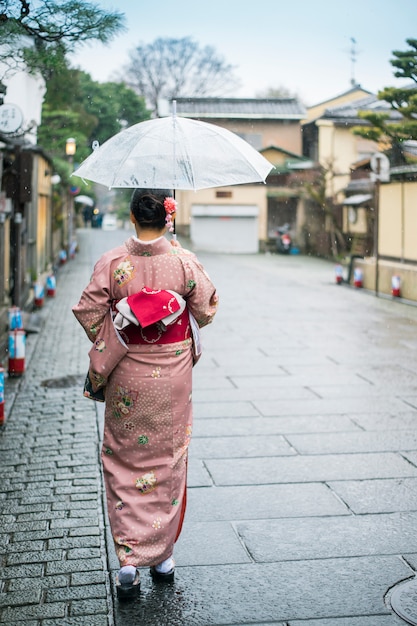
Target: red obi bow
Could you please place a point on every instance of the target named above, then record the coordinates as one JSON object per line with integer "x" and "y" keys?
{"x": 149, "y": 306}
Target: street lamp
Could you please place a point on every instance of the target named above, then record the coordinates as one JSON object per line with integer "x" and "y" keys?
{"x": 70, "y": 149}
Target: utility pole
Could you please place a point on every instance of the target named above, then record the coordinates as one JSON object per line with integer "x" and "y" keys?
{"x": 380, "y": 172}
{"x": 376, "y": 231}
{"x": 353, "y": 55}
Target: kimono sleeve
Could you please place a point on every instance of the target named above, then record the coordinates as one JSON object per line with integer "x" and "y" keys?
{"x": 201, "y": 296}
{"x": 95, "y": 301}
{"x": 94, "y": 314}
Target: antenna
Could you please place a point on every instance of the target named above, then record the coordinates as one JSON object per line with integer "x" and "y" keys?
{"x": 353, "y": 55}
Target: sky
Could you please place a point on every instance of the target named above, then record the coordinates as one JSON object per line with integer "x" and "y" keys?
{"x": 302, "y": 45}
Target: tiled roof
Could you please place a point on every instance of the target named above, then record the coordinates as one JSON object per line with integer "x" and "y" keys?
{"x": 360, "y": 185}
{"x": 403, "y": 169}
{"x": 341, "y": 95}
{"x": 410, "y": 147}
{"x": 357, "y": 199}
{"x": 241, "y": 108}
{"x": 300, "y": 157}
{"x": 348, "y": 112}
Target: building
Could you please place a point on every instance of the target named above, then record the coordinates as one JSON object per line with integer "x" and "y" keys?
{"x": 328, "y": 137}
{"x": 240, "y": 218}
{"x": 378, "y": 217}
{"x": 25, "y": 193}
{"x": 395, "y": 254}
{"x": 329, "y": 140}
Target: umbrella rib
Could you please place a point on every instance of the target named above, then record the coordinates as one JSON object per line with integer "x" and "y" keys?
{"x": 248, "y": 162}
{"x": 147, "y": 132}
{"x": 190, "y": 168}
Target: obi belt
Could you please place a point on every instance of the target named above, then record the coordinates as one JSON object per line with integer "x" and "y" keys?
{"x": 152, "y": 316}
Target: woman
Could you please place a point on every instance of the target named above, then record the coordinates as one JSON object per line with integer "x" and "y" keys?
{"x": 145, "y": 369}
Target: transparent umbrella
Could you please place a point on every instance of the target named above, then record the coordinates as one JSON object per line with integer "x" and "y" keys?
{"x": 84, "y": 200}
{"x": 174, "y": 153}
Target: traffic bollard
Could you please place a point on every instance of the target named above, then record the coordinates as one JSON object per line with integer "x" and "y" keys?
{"x": 39, "y": 295}
{"x": 50, "y": 286}
{"x": 2, "y": 409}
{"x": 15, "y": 318}
{"x": 17, "y": 349}
{"x": 339, "y": 274}
{"x": 358, "y": 277}
{"x": 396, "y": 286}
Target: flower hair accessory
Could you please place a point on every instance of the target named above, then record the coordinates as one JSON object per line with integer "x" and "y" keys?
{"x": 170, "y": 206}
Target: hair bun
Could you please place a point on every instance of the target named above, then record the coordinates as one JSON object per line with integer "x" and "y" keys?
{"x": 147, "y": 206}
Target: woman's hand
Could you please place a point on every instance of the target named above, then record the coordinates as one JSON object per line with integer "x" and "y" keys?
{"x": 97, "y": 381}
{"x": 174, "y": 242}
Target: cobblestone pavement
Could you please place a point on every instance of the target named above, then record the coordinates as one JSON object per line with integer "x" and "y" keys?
{"x": 54, "y": 564}
{"x": 303, "y": 465}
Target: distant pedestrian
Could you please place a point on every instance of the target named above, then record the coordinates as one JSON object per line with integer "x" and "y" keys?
{"x": 139, "y": 310}
{"x": 87, "y": 215}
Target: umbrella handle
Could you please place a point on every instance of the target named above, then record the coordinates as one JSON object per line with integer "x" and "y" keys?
{"x": 174, "y": 104}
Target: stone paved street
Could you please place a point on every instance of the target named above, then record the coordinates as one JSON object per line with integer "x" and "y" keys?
{"x": 51, "y": 515}
{"x": 302, "y": 500}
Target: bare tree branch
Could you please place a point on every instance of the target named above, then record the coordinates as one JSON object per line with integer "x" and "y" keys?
{"x": 170, "y": 68}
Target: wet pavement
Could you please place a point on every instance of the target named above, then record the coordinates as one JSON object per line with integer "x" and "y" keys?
{"x": 302, "y": 500}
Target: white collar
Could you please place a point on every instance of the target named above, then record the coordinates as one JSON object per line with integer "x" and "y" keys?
{"x": 149, "y": 241}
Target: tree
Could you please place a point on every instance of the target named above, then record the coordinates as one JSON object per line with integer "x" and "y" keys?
{"x": 316, "y": 191}
{"x": 276, "y": 92}
{"x": 170, "y": 68}
{"x": 37, "y": 35}
{"x": 114, "y": 106}
{"x": 381, "y": 126}
{"x": 76, "y": 106}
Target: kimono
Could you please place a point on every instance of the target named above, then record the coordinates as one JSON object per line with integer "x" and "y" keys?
{"x": 147, "y": 377}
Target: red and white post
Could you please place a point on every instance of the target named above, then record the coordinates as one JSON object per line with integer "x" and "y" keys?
{"x": 338, "y": 270}
{"x": 17, "y": 349}
{"x": 50, "y": 286}
{"x": 2, "y": 410}
{"x": 396, "y": 286}
{"x": 358, "y": 277}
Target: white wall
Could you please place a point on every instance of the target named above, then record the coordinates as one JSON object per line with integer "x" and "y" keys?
{"x": 228, "y": 229}
{"x": 27, "y": 93}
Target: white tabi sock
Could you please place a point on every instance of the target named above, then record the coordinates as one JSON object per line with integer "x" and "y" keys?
{"x": 127, "y": 574}
{"x": 166, "y": 566}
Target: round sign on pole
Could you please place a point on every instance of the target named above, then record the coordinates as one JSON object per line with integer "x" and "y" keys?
{"x": 380, "y": 165}
{"x": 11, "y": 118}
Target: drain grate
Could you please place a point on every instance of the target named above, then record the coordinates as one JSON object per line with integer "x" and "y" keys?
{"x": 63, "y": 382}
{"x": 404, "y": 601}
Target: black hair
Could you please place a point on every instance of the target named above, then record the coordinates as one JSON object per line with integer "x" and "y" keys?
{"x": 147, "y": 206}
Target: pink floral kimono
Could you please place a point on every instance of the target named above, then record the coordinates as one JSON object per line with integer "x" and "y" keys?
{"x": 147, "y": 375}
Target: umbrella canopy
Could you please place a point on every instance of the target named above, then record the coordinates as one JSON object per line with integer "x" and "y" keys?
{"x": 174, "y": 153}
{"x": 84, "y": 200}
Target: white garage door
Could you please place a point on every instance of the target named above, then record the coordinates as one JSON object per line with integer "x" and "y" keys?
{"x": 225, "y": 228}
